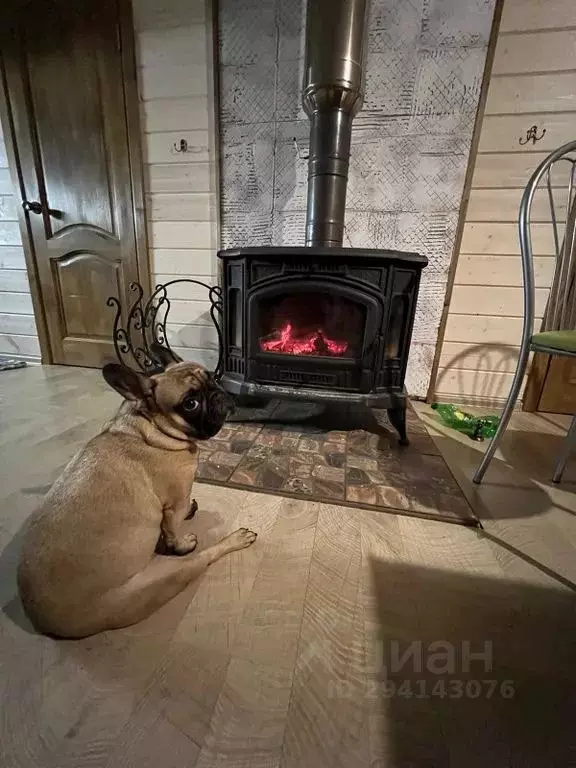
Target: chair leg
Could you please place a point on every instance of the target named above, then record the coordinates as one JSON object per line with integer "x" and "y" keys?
{"x": 567, "y": 448}
{"x": 506, "y": 413}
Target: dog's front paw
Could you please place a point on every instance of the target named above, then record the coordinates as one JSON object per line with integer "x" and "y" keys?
{"x": 186, "y": 544}
{"x": 240, "y": 539}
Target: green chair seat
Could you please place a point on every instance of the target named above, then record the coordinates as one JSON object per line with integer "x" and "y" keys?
{"x": 563, "y": 341}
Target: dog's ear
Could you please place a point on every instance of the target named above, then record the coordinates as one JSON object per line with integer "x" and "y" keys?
{"x": 130, "y": 384}
{"x": 164, "y": 356}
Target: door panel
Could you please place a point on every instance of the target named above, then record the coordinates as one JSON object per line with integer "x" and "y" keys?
{"x": 66, "y": 103}
{"x": 81, "y": 280}
{"x": 66, "y": 88}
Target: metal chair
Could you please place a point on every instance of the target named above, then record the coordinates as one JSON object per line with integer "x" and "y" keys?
{"x": 558, "y": 334}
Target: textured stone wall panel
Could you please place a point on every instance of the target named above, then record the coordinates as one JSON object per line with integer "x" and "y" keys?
{"x": 410, "y": 142}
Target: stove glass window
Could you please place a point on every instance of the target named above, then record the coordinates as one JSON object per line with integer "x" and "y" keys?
{"x": 319, "y": 324}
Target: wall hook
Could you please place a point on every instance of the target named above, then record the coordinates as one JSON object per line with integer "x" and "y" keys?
{"x": 532, "y": 135}
{"x": 181, "y": 147}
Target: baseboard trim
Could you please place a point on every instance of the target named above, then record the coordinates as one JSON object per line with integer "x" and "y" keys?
{"x": 475, "y": 401}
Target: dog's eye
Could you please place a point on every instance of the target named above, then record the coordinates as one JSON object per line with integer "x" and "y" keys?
{"x": 190, "y": 405}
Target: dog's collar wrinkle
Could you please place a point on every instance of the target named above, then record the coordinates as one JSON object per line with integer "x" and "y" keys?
{"x": 171, "y": 432}
{"x": 138, "y": 423}
{"x": 169, "y": 436}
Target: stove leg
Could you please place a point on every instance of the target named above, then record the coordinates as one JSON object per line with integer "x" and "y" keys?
{"x": 397, "y": 416}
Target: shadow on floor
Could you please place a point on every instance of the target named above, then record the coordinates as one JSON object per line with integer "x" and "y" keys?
{"x": 9, "y": 600}
{"x": 515, "y": 486}
{"x": 510, "y": 705}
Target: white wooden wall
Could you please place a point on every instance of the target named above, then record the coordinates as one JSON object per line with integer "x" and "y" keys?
{"x": 175, "y": 57}
{"x": 533, "y": 83}
{"x": 18, "y": 337}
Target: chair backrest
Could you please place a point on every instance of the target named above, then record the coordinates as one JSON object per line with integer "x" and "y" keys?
{"x": 556, "y": 177}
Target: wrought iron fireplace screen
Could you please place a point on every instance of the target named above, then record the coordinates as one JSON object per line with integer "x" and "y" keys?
{"x": 146, "y": 324}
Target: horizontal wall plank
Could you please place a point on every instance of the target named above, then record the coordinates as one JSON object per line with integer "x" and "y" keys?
{"x": 182, "y": 234}
{"x": 482, "y": 329}
{"x": 185, "y": 291}
{"x": 8, "y": 210}
{"x": 532, "y": 93}
{"x": 539, "y": 52}
{"x": 190, "y": 313}
{"x": 507, "y": 170}
{"x": 496, "y": 358}
{"x": 498, "y": 238}
{"x": 10, "y": 233}
{"x": 171, "y": 82}
{"x": 480, "y": 385}
{"x": 193, "y": 336}
{"x": 502, "y": 133}
{"x": 163, "y": 47}
{"x": 16, "y": 303}
{"x": 175, "y": 114}
{"x": 160, "y": 147}
{"x": 184, "y": 261}
{"x": 187, "y": 177}
{"x": 6, "y": 186}
{"x": 489, "y": 300}
{"x": 502, "y": 270}
{"x": 518, "y": 15}
{"x": 11, "y": 344}
{"x": 155, "y": 15}
{"x": 504, "y": 204}
{"x": 194, "y": 206}
{"x": 21, "y": 325}
{"x": 14, "y": 280}
{"x": 12, "y": 257}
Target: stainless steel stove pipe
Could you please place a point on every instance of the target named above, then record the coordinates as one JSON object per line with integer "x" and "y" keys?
{"x": 332, "y": 95}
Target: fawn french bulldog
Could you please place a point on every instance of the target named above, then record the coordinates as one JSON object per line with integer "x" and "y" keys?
{"x": 90, "y": 557}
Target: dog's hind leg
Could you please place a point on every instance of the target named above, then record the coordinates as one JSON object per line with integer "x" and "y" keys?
{"x": 161, "y": 580}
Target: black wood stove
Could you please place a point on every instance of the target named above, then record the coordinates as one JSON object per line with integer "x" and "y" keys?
{"x": 320, "y": 324}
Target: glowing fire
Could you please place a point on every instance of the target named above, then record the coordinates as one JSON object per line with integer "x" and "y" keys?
{"x": 315, "y": 343}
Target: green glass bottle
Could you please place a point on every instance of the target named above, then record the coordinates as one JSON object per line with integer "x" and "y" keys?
{"x": 476, "y": 427}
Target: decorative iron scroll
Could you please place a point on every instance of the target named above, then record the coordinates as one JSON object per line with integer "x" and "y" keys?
{"x": 146, "y": 324}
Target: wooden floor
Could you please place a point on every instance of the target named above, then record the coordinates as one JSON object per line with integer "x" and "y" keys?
{"x": 287, "y": 654}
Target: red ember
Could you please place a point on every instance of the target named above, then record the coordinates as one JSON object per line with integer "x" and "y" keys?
{"x": 315, "y": 343}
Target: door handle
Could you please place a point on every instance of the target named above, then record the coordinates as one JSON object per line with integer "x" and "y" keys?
{"x": 32, "y": 206}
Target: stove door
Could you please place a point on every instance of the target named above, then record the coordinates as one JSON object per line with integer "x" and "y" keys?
{"x": 315, "y": 333}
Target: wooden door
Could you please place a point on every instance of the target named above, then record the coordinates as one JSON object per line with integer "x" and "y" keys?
{"x": 66, "y": 86}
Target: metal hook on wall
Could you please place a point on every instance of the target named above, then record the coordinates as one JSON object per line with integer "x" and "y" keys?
{"x": 532, "y": 135}
{"x": 181, "y": 147}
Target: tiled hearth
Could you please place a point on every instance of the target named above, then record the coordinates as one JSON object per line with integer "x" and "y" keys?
{"x": 307, "y": 451}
